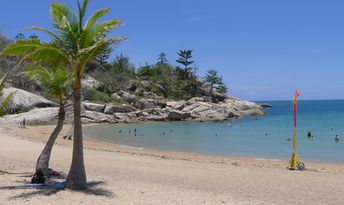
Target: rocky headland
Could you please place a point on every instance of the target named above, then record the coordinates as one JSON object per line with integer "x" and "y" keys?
{"x": 38, "y": 110}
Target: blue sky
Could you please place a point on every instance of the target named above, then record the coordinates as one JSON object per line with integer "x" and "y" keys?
{"x": 264, "y": 49}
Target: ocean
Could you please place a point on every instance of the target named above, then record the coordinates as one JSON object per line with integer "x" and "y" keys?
{"x": 256, "y": 137}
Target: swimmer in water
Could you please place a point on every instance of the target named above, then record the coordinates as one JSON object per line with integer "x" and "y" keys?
{"x": 336, "y": 138}
{"x": 310, "y": 136}
{"x": 120, "y": 131}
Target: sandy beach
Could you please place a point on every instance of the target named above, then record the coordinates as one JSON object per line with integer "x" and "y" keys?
{"x": 124, "y": 175}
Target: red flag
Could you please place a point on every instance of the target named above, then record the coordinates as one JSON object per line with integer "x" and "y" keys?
{"x": 296, "y": 93}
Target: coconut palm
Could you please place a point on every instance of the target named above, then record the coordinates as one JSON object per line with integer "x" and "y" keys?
{"x": 5, "y": 101}
{"x": 75, "y": 43}
{"x": 56, "y": 81}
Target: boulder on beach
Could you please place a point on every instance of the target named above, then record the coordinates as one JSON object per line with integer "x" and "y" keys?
{"x": 125, "y": 96}
{"x": 111, "y": 109}
{"x": 91, "y": 83}
{"x": 94, "y": 107}
{"x": 24, "y": 99}
{"x": 178, "y": 115}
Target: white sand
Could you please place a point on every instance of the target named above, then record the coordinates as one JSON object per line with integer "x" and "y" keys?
{"x": 134, "y": 176}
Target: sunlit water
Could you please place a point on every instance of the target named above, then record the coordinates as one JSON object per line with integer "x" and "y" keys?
{"x": 258, "y": 137}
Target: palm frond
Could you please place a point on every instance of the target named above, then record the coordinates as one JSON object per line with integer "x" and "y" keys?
{"x": 98, "y": 31}
{"x": 82, "y": 11}
{"x": 51, "y": 34}
{"x": 21, "y": 47}
{"x": 4, "y": 104}
{"x": 2, "y": 82}
{"x": 107, "y": 26}
{"x": 50, "y": 54}
{"x": 58, "y": 11}
{"x": 94, "y": 18}
{"x": 7, "y": 100}
{"x": 56, "y": 81}
{"x": 101, "y": 43}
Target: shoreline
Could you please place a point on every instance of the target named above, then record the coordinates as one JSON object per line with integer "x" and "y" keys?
{"x": 93, "y": 144}
{"x": 129, "y": 175}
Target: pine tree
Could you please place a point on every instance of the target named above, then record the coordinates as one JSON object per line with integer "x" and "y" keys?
{"x": 185, "y": 59}
{"x": 212, "y": 79}
{"x": 162, "y": 59}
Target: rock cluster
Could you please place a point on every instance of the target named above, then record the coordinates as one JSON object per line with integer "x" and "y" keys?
{"x": 146, "y": 109}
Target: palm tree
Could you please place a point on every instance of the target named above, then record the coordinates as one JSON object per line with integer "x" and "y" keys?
{"x": 4, "y": 103}
{"x": 74, "y": 44}
{"x": 57, "y": 82}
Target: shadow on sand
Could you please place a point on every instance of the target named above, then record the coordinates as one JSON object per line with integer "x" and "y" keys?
{"x": 93, "y": 188}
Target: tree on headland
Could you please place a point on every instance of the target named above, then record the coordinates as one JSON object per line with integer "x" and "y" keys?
{"x": 33, "y": 36}
{"x": 104, "y": 56}
{"x": 213, "y": 79}
{"x": 19, "y": 36}
{"x": 121, "y": 64}
{"x": 162, "y": 59}
{"x": 222, "y": 88}
{"x": 185, "y": 59}
{"x": 56, "y": 82}
{"x": 74, "y": 44}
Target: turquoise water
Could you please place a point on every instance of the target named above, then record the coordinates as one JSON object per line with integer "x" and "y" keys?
{"x": 259, "y": 137}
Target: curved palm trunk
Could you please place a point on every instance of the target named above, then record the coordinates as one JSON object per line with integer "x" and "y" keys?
{"x": 77, "y": 176}
{"x": 44, "y": 158}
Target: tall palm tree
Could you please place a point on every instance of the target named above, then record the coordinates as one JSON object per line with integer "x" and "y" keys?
{"x": 75, "y": 43}
{"x": 57, "y": 82}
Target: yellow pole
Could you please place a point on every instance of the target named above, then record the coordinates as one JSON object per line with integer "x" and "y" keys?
{"x": 294, "y": 159}
{"x": 294, "y": 141}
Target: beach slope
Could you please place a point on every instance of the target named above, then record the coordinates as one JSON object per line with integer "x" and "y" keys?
{"x": 120, "y": 175}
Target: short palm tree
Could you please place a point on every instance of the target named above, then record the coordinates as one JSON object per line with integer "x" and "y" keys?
{"x": 57, "y": 82}
{"x": 4, "y": 103}
{"x": 75, "y": 43}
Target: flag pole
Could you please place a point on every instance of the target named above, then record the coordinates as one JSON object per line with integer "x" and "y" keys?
{"x": 294, "y": 159}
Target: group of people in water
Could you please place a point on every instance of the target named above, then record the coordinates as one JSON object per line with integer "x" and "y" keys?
{"x": 311, "y": 137}
{"x": 135, "y": 132}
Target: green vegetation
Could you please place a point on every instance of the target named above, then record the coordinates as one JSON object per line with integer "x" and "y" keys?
{"x": 57, "y": 82}
{"x": 5, "y": 102}
{"x": 213, "y": 79}
{"x": 178, "y": 82}
{"x": 78, "y": 47}
{"x": 161, "y": 78}
{"x": 75, "y": 44}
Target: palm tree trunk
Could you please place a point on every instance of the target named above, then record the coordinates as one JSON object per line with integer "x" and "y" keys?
{"x": 44, "y": 158}
{"x": 77, "y": 176}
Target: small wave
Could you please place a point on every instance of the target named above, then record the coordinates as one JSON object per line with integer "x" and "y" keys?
{"x": 266, "y": 159}
{"x": 126, "y": 146}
